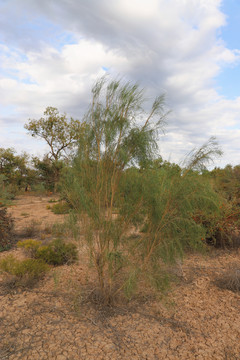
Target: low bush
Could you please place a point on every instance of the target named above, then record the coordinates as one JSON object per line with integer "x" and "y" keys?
{"x": 60, "y": 208}
{"x": 220, "y": 225}
{"x": 57, "y": 253}
{"x": 30, "y": 246}
{"x": 26, "y": 272}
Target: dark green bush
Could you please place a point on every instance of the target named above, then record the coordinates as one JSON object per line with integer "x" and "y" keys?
{"x": 57, "y": 253}
{"x": 220, "y": 224}
{"x": 5, "y": 191}
{"x": 6, "y": 230}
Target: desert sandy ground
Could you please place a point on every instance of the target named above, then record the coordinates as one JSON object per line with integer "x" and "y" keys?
{"x": 197, "y": 320}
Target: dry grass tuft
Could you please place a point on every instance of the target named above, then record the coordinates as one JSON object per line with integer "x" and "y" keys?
{"x": 230, "y": 279}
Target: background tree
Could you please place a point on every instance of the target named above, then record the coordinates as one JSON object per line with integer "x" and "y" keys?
{"x": 59, "y": 133}
{"x": 45, "y": 172}
{"x": 14, "y": 167}
{"x": 227, "y": 182}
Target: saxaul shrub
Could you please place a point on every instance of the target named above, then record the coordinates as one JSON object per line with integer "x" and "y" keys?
{"x": 112, "y": 141}
{"x": 69, "y": 228}
{"x": 114, "y": 189}
{"x": 165, "y": 216}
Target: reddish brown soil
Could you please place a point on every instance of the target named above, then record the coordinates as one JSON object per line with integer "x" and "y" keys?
{"x": 34, "y": 211}
{"x": 197, "y": 320}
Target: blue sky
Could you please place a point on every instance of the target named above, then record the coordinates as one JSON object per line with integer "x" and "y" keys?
{"x": 230, "y": 32}
{"x": 229, "y": 79}
{"x": 51, "y": 52}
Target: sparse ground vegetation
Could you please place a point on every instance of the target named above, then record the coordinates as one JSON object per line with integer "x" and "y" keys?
{"x": 230, "y": 278}
{"x": 66, "y": 302}
{"x": 60, "y": 208}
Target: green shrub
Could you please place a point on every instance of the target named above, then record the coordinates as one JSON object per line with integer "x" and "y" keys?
{"x": 60, "y": 208}
{"x": 6, "y": 230}
{"x": 30, "y": 246}
{"x": 57, "y": 253}
{"x": 220, "y": 224}
{"x": 25, "y": 271}
{"x": 47, "y": 254}
{"x": 5, "y": 191}
{"x": 117, "y": 166}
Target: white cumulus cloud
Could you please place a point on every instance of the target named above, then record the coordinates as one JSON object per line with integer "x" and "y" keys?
{"x": 51, "y": 53}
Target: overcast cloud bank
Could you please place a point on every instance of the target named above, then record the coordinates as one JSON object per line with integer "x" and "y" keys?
{"x": 51, "y": 52}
